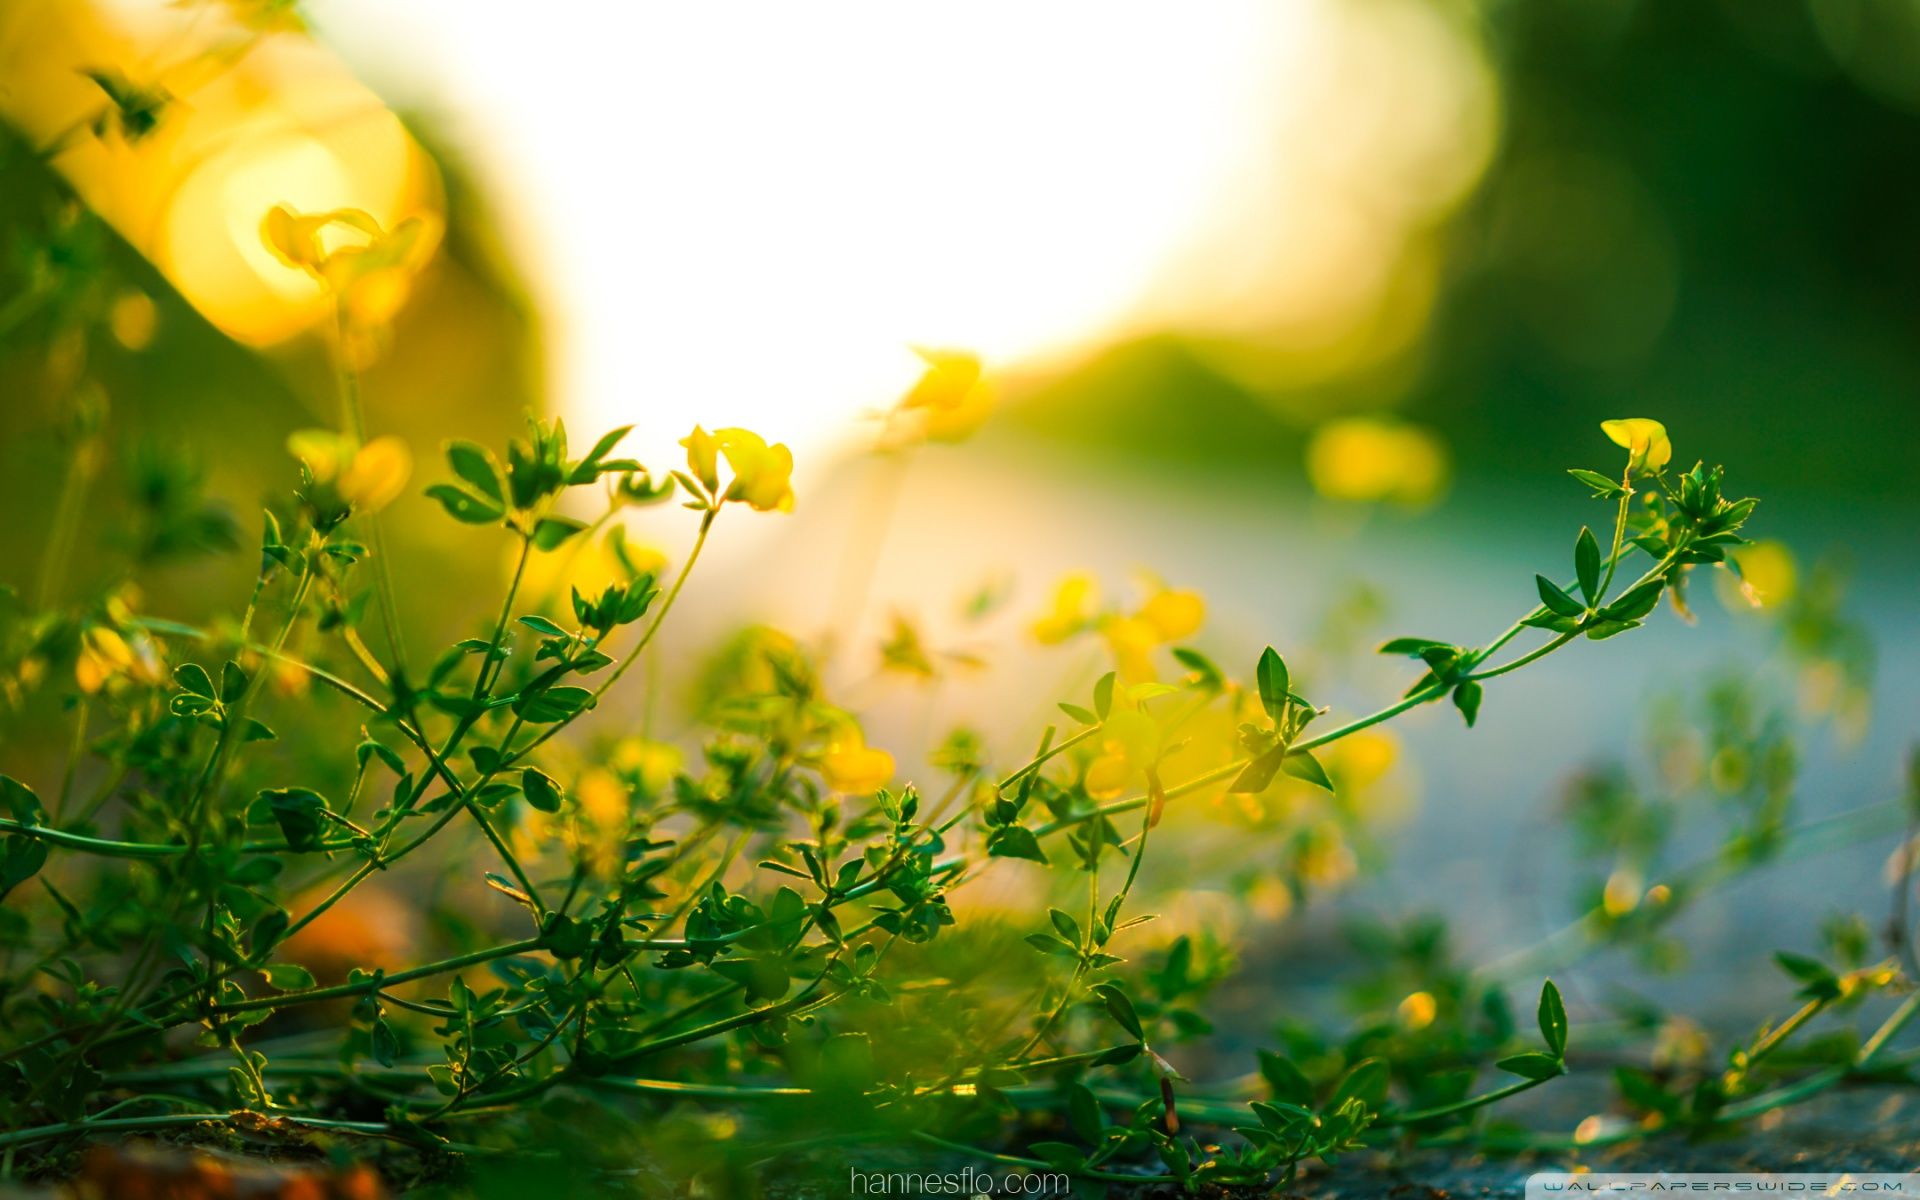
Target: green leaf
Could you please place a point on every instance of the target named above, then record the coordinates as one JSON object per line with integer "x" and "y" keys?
{"x": 1821, "y": 983}
{"x": 1586, "y": 564}
{"x": 553, "y": 704}
{"x": 1103, "y": 695}
{"x": 1302, "y": 765}
{"x": 1636, "y": 603}
{"x": 1064, "y": 922}
{"x": 233, "y": 682}
{"x": 386, "y": 1047}
{"x": 1556, "y": 600}
{"x": 540, "y": 790}
{"x": 1046, "y": 943}
{"x": 1083, "y": 1113}
{"x": 1120, "y": 1008}
{"x": 297, "y": 810}
{"x": 1256, "y": 775}
{"x": 541, "y": 624}
{"x": 1271, "y": 676}
{"x": 1079, "y": 714}
{"x": 1287, "y": 1082}
{"x": 1532, "y": 1065}
{"x": 1467, "y": 698}
{"x": 1366, "y": 1082}
{"x": 288, "y": 977}
{"x": 464, "y": 506}
{"x": 565, "y": 937}
{"x": 21, "y": 802}
{"x": 1412, "y": 647}
{"x": 1603, "y": 488}
{"x": 1553, "y": 1019}
{"x": 550, "y": 532}
{"x": 21, "y": 861}
{"x": 1014, "y": 841}
{"x": 474, "y": 463}
{"x": 194, "y": 678}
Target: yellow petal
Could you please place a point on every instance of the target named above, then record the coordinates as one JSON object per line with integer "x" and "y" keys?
{"x": 703, "y": 457}
{"x": 326, "y": 453}
{"x": 855, "y": 768}
{"x": 1645, "y": 439}
{"x": 1370, "y": 460}
{"x": 377, "y": 475}
{"x": 1073, "y": 601}
{"x": 1132, "y": 641}
{"x": 1176, "y": 614}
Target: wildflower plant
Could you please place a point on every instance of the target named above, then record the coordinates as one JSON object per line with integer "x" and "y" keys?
{"x": 725, "y": 930}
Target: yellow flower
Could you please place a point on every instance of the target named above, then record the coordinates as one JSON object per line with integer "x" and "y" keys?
{"x": 1107, "y": 776}
{"x": 1371, "y": 459}
{"x": 703, "y": 457}
{"x": 1073, "y": 601}
{"x": 106, "y": 656}
{"x": 1173, "y": 613}
{"x": 603, "y": 798}
{"x": 377, "y": 475}
{"x": 952, "y": 395}
{"x": 1768, "y": 575}
{"x": 368, "y": 269}
{"x": 1417, "y": 1011}
{"x": 368, "y": 477}
{"x": 850, "y": 765}
{"x": 1132, "y": 641}
{"x": 762, "y": 474}
{"x": 1645, "y": 439}
{"x": 652, "y": 764}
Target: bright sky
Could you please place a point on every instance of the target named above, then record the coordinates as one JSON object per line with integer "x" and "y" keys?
{"x": 744, "y": 214}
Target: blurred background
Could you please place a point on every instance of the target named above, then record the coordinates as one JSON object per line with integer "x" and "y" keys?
{"x": 1304, "y": 304}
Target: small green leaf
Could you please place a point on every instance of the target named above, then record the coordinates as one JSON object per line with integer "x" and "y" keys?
{"x": 1064, "y": 922}
{"x": 553, "y": 704}
{"x": 1272, "y": 678}
{"x": 1556, "y": 600}
{"x": 194, "y": 678}
{"x": 1079, "y": 714}
{"x": 1586, "y": 564}
{"x": 541, "y": 624}
{"x": 288, "y": 977}
{"x": 1532, "y": 1065}
{"x": 550, "y": 532}
{"x": 1014, "y": 841}
{"x": 474, "y": 463}
{"x": 1603, "y": 488}
{"x": 1553, "y": 1019}
{"x": 540, "y": 790}
{"x": 1103, "y": 695}
{"x": 1366, "y": 1082}
{"x": 1636, "y": 603}
{"x": 464, "y": 506}
{"x": 1302, "y": 765}
{"x": 1256, "y": 775}
{"x": 1467, "y": 698}
{"x": 1820, "y": 981}
{"x": 1120, "y": 1008}
{"x": 386, "y": 1047}
{"x": 1287, "y": 1082}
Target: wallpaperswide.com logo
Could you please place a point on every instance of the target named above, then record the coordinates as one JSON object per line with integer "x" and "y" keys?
{"x": 1561, "y": 1185}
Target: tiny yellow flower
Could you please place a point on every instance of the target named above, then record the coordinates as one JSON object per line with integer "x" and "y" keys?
{"x": 377, "y": 474}
{"x": 104, "y": 655}
{"x": 1174, "y": 613}
{"x": 850, "y": 765}
{"x": 603, "y": 798}
{"x": 1107, "y": 776}
{"x": 1768, "y": 575}
{"x": 1622, "y": 893}
{"x": 952, "y": 396}
{"x": 1073, "y": 602}
{"x": 652, "y": 764}
{"x": 1373, "y": 459}
{"x": 1645, "y": 439}
{"x": 1132, "y": 641}
{"x": 1417, "y": 1011}
{"x": 368, "y": 269}
{"x": 368, "y": 477}
{"x": 703, "y": 457}
{"x": 762, "y": 474}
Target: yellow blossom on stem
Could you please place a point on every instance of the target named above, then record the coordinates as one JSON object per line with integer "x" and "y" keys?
{"x": 953, "y": 398}
{"x": 1073, "y": 603}
{"x": 850, "y": 765}
{"x": 1174, "y": 613}
{"x": 368, "y": 269}
{"x": 1132, "y": 641}
{"x": 762, "y": 474}
{"x": 703, "y": 457}
{"x": 368, "y": 477}
{"x": 1645, "y": 439}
